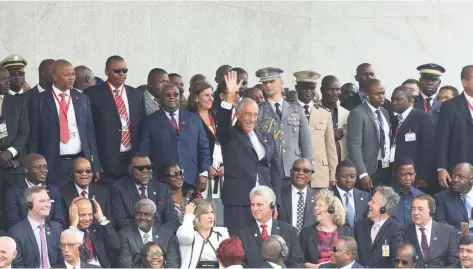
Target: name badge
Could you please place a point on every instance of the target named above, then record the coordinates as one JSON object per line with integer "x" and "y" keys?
{"x": 124, "y": 125}
{"x": 385, "y": 162}
{"x": 3, "y": 129}
{"x": 410, "y": 137}
{"x": 385, "y": 249}
{"x": 392, "y": 153}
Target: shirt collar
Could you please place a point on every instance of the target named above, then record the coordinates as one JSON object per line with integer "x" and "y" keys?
{"x": 29, "y": 184}
{"x": 69, "y": 266}
{"x": 398, "y": 190}
{"x": 380, "y": 223}
{"x": 176, "y": 114}
{"x": 113, "y": 87}
{"x": 342, "y": 192}
{"x": 34, "y": 224}
{"x": 295, "y": 190}
{"x": 40, "y": 89}
{"x": 348, "y": 266}
{"x": 272, "y": 102}
{"x": 274, "y": 265}
{"x": 310, "y": 104}
{"x": 468, "y": 98}
{"x": 15, "y": 93}
{"x": 406, "y": 113}
{"x": 372, "y": 107}
{"x": 425, "y": 96}
{"x": 150, "y": 233}
{"x": 361, "y": 95}
{"x": 269, "y": 224}
{"x": 470, "y": 194}
{"x": 428, "y": 226}
{"x": 58, "y": 92}
{"x": 79, "y": 188}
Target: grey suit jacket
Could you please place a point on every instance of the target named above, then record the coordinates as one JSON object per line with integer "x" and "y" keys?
{"x": 150, "y": 105}
{"x": 291, "y": 133}
{"x": 132, "y": 242}
{"x": 363, "y": 138}
{"x": 285, "y": 212}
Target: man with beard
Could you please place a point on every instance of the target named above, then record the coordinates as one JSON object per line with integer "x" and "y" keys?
{"x": 429, "y": 84}
{"x": 15, "y": 64}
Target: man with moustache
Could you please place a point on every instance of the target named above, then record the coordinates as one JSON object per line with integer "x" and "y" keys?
{"x": 465, "y": 250}
{"x": 61, "y": 125}
{"x": 15, "y": 64}
{"x": 71, "y": 245}
{"x": 406, "y": 257}
{"x": 36, "y": 176}
{"x": 157, "y": 79}
{"x": 8, "y": 251}
{"x": 45, "y": 75}
{"x": 429, "y": 83}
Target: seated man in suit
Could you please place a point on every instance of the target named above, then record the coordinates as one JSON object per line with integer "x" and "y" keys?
{"x": 379, "y": 235}
{"x": 37, "y": 239}
{"x": 263, "y": 201}
{"x": 7, "y": 251}
{"x": 36, "y": 176}
{"x": 454, "y": 205}
{"x": 140, "y": 185}
{"x": 406, "y": 257}
{"x": 145, "y": 229}
{"x": 297, "y": 203}
{"x": 344, "y": 252}
{"x": 465, "y": 246}
{"x": 71, "y": 242}
{"x": 404, "y": 180}
{"x": 82, "y": 176}
{"x": 274, "y": 250}
{"x": 435, "y": 242}
{"x": 99, "y": 236}
{"x": 354, "y": 200}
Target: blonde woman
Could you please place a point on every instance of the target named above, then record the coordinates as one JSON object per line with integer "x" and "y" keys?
{"x": 316, "y": 241}
{"x": 198, "y": 237}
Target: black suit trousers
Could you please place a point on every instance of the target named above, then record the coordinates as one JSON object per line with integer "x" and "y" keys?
{"x": 237, "y": 218}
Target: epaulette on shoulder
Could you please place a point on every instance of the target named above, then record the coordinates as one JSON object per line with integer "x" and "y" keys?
{"x": 317, "y": 106}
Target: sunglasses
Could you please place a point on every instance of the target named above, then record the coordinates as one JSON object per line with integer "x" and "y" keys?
{"x": 304, "y": 170}
{"x": 154, "y": 254}
{"x": 81, "y": 171}
{"x": 335, "y": 249}
{"x": 141, "y": 168}
{"x": 175, "y": 174}
{"x": 397, "y": 261}
{"x": 118, "y": 70}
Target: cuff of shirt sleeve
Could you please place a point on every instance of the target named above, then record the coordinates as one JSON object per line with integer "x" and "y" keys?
{"x": 13, "y": 151}
{"x": 104, "y": 222}
{"x": 226, "y": 105}
{"x": 204, "y": 174}
{"x": 440, "y": 169}
{"x": 363, "y": 175}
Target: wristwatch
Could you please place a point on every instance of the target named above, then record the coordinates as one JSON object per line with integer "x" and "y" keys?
{"x": 104, "y": 219}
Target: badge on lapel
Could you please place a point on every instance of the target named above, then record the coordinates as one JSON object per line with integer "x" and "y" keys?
{"x": 154, "y": 192}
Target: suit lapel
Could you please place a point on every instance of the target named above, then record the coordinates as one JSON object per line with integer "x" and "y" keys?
{"x": 257, "y": 233}
{"x": 434, "y": 241}
{"x": 309, "y": 205}
{"x": 371, "y": 115}
{"x": 166, "y": 123}
{"x": 137, "y": 237}
{"x": 155, "y": 234}
{"x": 286, "y": 196}
{"x": 458, "y": 203}
{"x": 78, "y": 110}
{"x": 49, "y": 239}
{"x": 184, "y": 121}
{"x": 32, "y": 238}
{"x": 152, "y": 192}
{"x": 267, "y": 109}
{"x": 358, "y": 204}
{"x": 463, "y": 107}
{"x": 381, "y": 232}
{"x": 411, "y": 233}
{"x": 131, "y": 100}
{"x": 49, "y": 96}
{"x": 262, "y": 139}
{"x": 286, "y": 111}
{"x": 275, "y": 230}
{"x": 108, "y": 97}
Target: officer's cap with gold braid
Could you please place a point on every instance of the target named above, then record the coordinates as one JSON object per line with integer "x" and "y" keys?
{"x": 431, "y": 70}
{"x": 269, "y": 74}
{"x": 307, "y": 76}
{"x": 14, "y": 61}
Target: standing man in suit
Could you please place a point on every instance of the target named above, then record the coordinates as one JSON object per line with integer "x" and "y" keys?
{"x": 36, "y": 176}
{"x": 15, "y": 64}
{"x": 7, "y": 251}
{"x": 465, "y": 250}
{"x": 435, "y": 242}
{"x": 429, "y": 84}
{"x": 320, "y": 128}
{"x": 99, "y": 236}
{"x": 285, "y": 121}
{"x": 85, "y": 78}
{"x": 37, "y": 239}
{"x": 297, "y": 199}
{"x": 157, "y": 79}
{"x": 454, "y": 205}
{"x": 243, "y": 146}
{"x": 344, "y": 253}
{"x": 117, "y": 110}
{"x": 82, "y": 186}
{"x": 45, "y": 74}
{"x": 263, "y": 201}
{"x": 61, "y": 125}
{"x": 354, "y": 200}
{"x": 368, "y": 133}
{"x": 143, "y": 230}
{"x": 71, "y": 243}
{"x": 454, "y": 128}
{"x": 379, "y": 236}
{"x": 413, "y": 136}
{"x": 140, "y": 185}
{"x": 183, "y": 140}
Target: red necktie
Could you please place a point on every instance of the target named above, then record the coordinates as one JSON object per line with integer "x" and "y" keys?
{"x": 264, "y": 232}
{"x": 88, "y": 245}
{"x": 63, "y": 126}
{"x": 126, "y": 138}
{"x": 142, "y": 194}
{"x": 83, "y": 193}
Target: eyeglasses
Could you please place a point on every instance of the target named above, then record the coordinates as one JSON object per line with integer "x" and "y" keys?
{"x": 141, "y": 168}
{"x": 304, "y": 170}
{"x": 335, "y": 250}
{"x": 118, "y": 70}
{"x": 81, "y": 171}
{"x": 68, "y": 245}
{"x": 175, "y": 174}
{"x": 154, "y": 254}
{"x": 397, "y": 261}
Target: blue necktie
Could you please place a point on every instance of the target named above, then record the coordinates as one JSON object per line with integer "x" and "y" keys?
{"x": 468, "y": 206}
{"x": 350, "y": 210}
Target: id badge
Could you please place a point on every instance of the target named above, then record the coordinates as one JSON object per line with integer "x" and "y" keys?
{"x": 410, "y": 137}
{"x": 392, "y": 153}
{"x": 124, "y": 125}
{"x": 3, "y": 129}
{"x": 385, "y": 249}
{"x": 385, "y": 163}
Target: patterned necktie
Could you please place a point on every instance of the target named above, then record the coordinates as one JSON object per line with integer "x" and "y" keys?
{"x": 350, "y": 210}
{"x": 424, "y": 245}
{"x": 63, "y": 126}
{"x": 467, "y": 204}
{"x": 382, "y": 138}
{"x": 121, "y": 107}
{"x": 44, "y": 247}
{"x": 300, "y": 211}
{"x": 264, "y": 232}
{"x": 143, "y": 192}
{"x": 88, "y": 245}
{"x": 278, "y": 110}
{"x": 83, "y": 193}
{"x": 306, "y": 110}
{"x": 173, "y": 120}
{"x": 145, "y": 238}
{"x": 429, "y": 106}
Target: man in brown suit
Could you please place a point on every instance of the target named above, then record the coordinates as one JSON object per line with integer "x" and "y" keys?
{"x": 321, "y": 130}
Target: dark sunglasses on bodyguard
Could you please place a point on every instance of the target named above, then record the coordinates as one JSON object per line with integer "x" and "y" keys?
{"x": 118, "y": 70}
{"x": 141, "y": 168}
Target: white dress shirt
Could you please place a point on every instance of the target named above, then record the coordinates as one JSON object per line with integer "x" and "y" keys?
{"x": 29, "y": 184}
{"x": 15, "y": 93}
{"x": 310, "y": 104}
{"x": 150, "y": 235}
{"x": 269, "y": 226}
{"x": 79, "y": 190}
{"x": 386, "y": 131}
{"x": 348, "y": 266}
{"x": 295, "y": 199}
{"x": 40, "y": 89}
{"x": 434, "y": 96}
{"x": 73, "y": 146}
{"x": 122, "y": 89}
{"x": 37, "y": 236}
{"x": 469, "y": 99}
{"x": 273, "y": 104}
{"x": 428, "y": 233}
{"x": 139, "y": 191}
{"x": 405, "y": 114}
{"x": 11, "y": 149}
{"x": 274, "y": 265}
{"x": 70, "y": 266}
{"x": 351, "y": 199}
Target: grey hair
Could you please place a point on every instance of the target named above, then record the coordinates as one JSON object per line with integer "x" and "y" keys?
{"x": 390, "y": 198}
{"x": 470, "y": 174}
{"x": 244, "y": 101}
{"x": 311, "y": 166}
{"x": 9, "y": 242}
{"x": 78, "y": 235}
{"x": 350, "y": 244}
{"x": 266, "y": 192}
{"x": 147, "y": 202}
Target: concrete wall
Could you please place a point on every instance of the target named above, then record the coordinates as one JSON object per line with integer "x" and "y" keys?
{"x": 191, "y": 37}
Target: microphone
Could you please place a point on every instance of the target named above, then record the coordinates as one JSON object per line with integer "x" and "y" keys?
{"x": 189, "y": 195}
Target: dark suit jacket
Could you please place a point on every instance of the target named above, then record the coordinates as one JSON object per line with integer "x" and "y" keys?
{"x": 370, "y": 255}
{"x": 285, "y": 211}
{"x": 238, "y": 152}
{"x": 450, "y": 208}
{"x": 361, "y": 202}
{"x": 443, "y": 250}
{"x": 132, "y": 243}
{"x": 309, "y": 241}
{"x": 455, "y": 265}
{"x": 105, "y": 240}
{"x": 125, "y": 196}
{"x": 45, "y": 133}
{"x": 83, "y": 264}
{"x": 419, "y": 104}
{"x": 330, "y": 265}
{"x": 190, "y": 149}
{"x": 102, "y": 196}
{"x": 422, "y": 151}
{"x": 30, "y": 93}
{"x": 454, "y": 131}
{"x": 28, "y": 254}
{"x": 353, "y": 101}
{"x": 251, "y": 240}
{"x": 108, "y": 127}
{"x": 17, "y": 211}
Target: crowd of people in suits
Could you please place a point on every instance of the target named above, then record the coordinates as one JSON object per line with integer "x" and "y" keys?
{"x": 101, "y": 174}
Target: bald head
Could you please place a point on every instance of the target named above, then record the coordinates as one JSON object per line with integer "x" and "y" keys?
{"x": 272, "y": 249}
{"x": 7, "y": 251}
{"x": 85, "y": 78}
{"x": 31, "y": 158}
{"x": 60, "y": 64}
{"x": 82, "y": 173}
{"x": 7, "y": 243}
{"x": 63, "y": 75}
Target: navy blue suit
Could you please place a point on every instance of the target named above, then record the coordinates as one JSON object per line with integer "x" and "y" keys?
{"x": 45, "y": 133}
{"x": 450, "y": 208}
{"x": 17, "y": 211}
{"x": 189, "y": 148}
{"x": 361, "y": 199}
